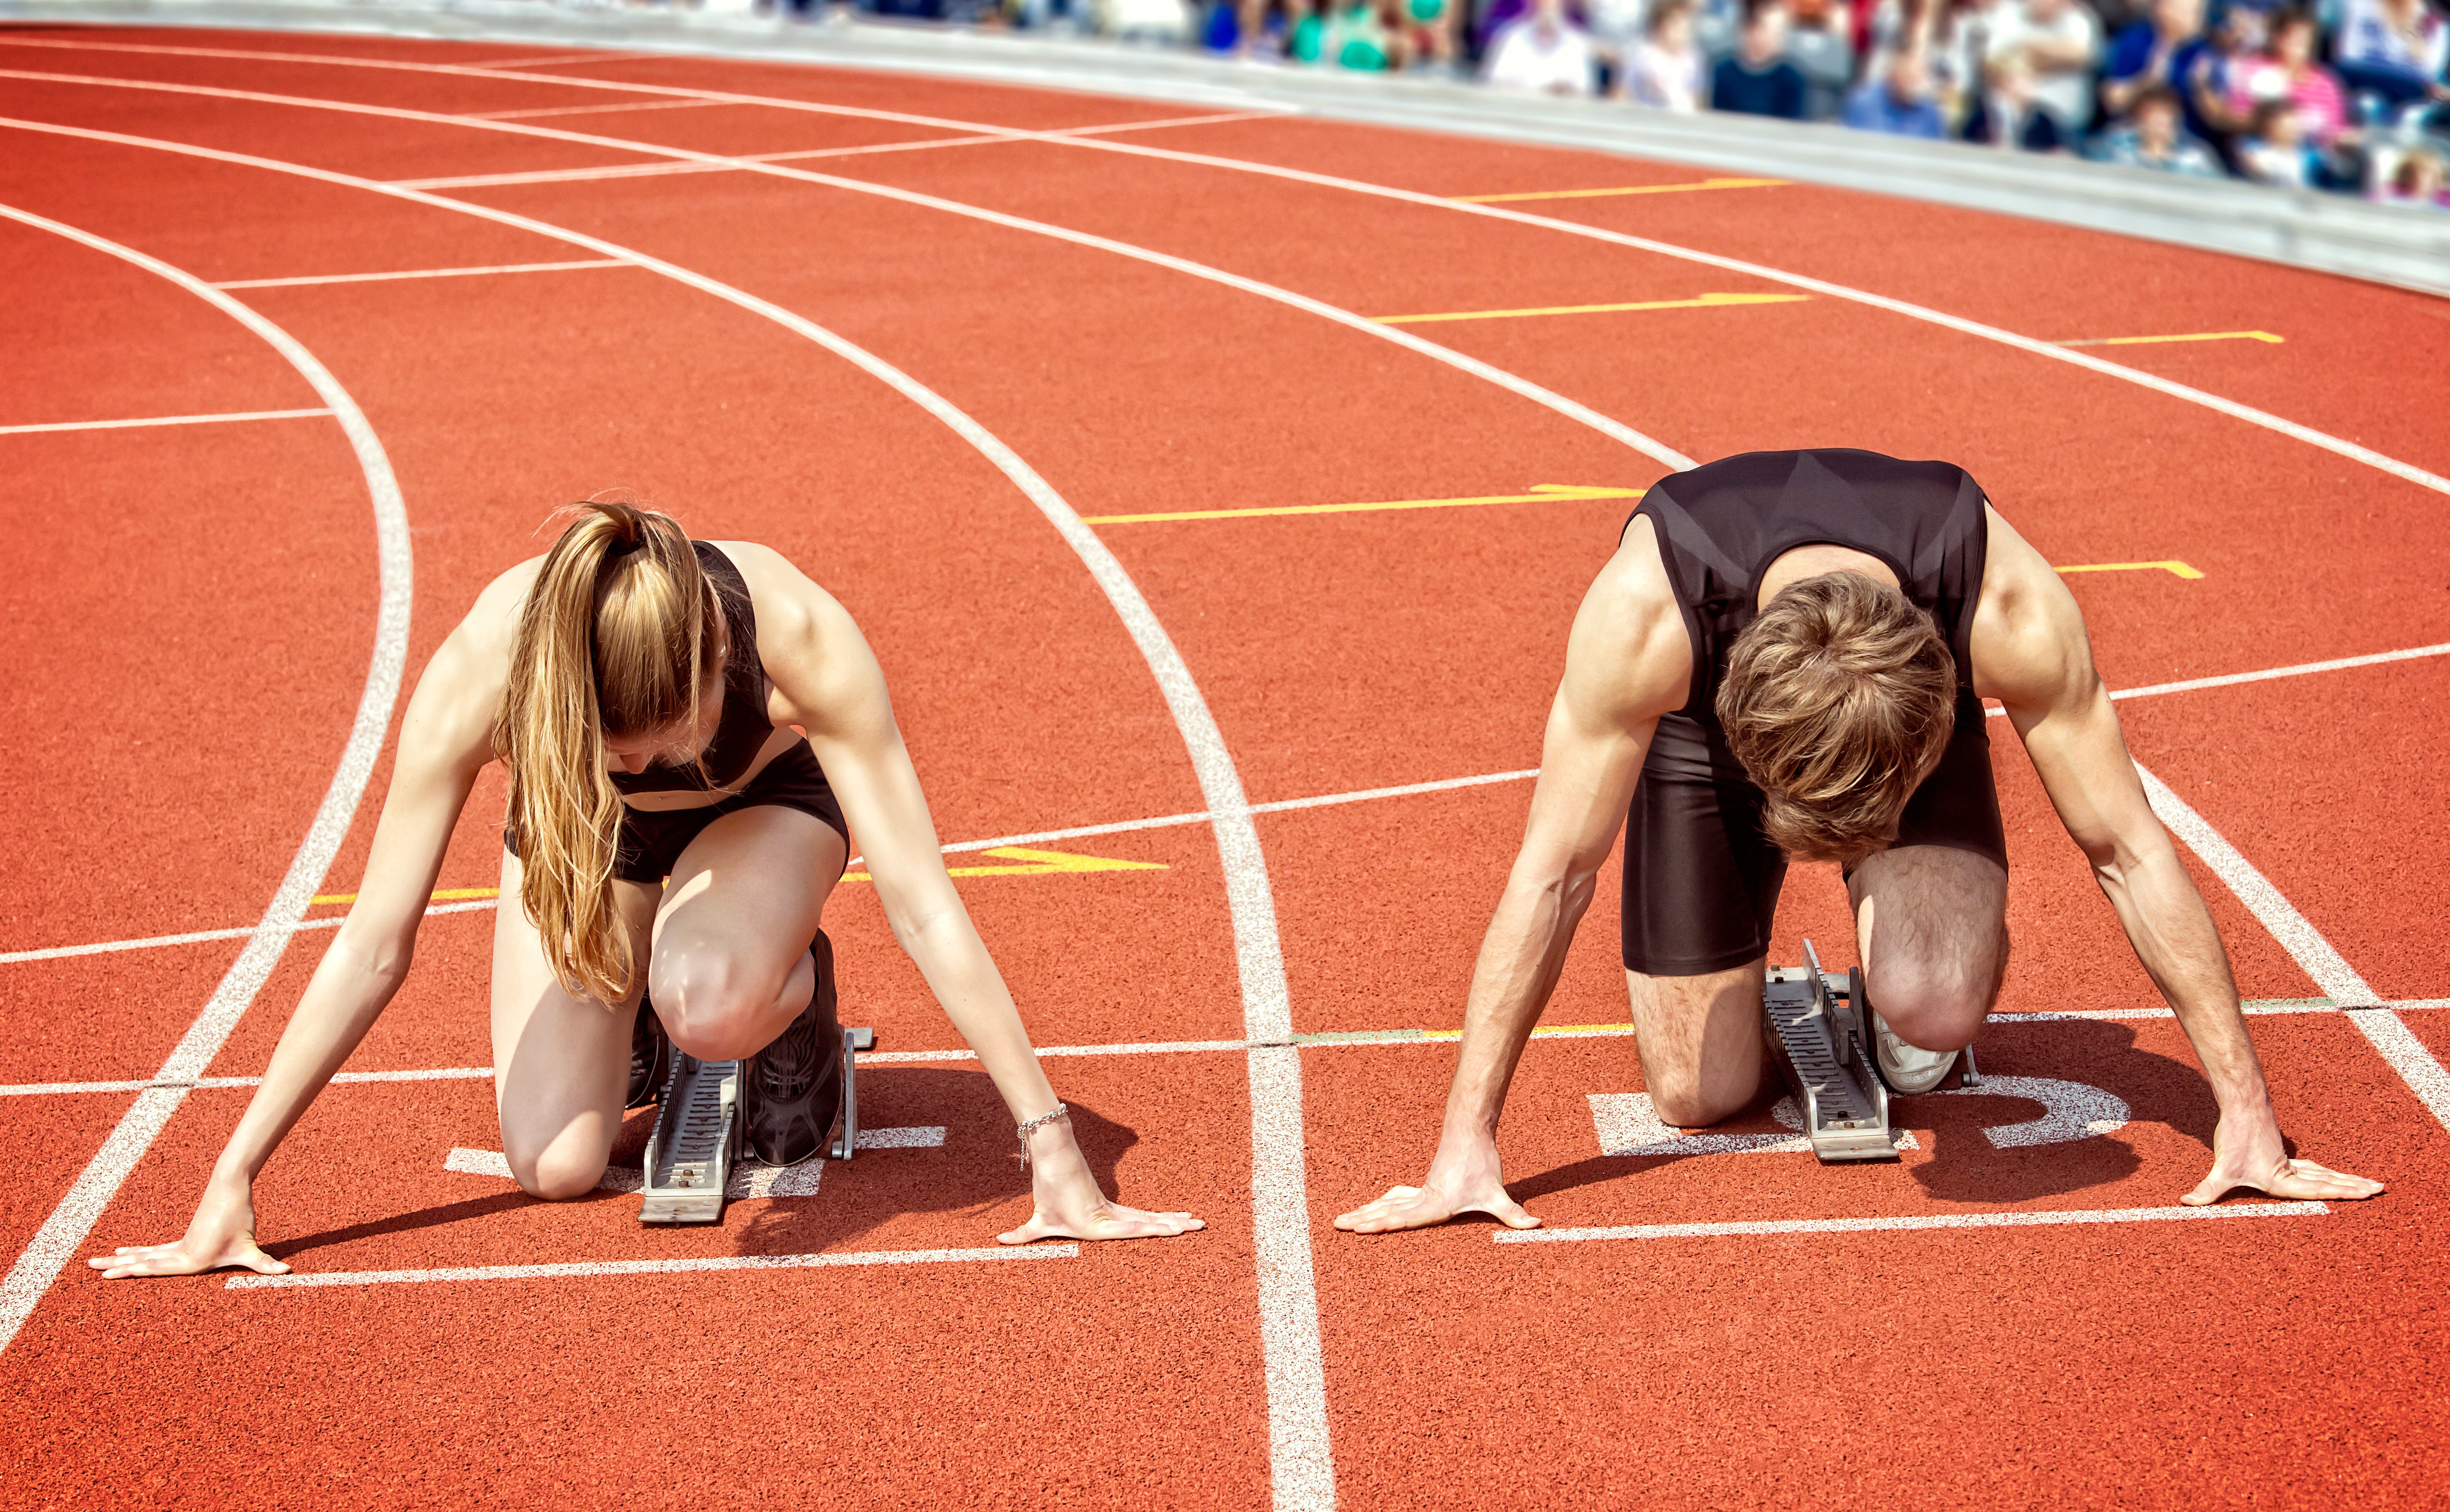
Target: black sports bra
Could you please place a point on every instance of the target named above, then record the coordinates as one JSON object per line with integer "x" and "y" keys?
{"x": 745, "y": 727}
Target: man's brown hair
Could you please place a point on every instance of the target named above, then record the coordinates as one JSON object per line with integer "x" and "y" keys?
{"x": 1838, "y": 700}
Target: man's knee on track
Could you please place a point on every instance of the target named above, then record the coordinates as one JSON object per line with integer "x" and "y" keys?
{"x": 1934, "y": 1005}
{"x": 1682, "y": 1100}
{"x": 711, "y": 1005}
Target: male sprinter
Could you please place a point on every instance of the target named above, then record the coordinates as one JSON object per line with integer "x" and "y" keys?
{"x": 1787, "y": 656}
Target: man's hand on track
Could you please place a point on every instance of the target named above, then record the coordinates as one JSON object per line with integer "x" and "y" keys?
{"x": 221, "y": 1234}
{"x": 2300, "y": 1179}
{"x": 1466, "y": 1182}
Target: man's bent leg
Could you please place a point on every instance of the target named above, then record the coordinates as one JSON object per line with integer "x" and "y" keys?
{"x": 1930, "y": 925}
{"x": 1701, "y": 1042}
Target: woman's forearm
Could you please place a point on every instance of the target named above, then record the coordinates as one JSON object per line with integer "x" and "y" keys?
{"x": 945, "y": 947}
{"x": 348, "y": 992}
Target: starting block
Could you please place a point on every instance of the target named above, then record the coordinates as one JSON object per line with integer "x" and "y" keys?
{"x": 1818, "y": 1028}
{"x": 700, "y": 1134}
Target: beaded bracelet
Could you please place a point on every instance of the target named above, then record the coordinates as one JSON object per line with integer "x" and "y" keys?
{"x": 1033, "y": 1126}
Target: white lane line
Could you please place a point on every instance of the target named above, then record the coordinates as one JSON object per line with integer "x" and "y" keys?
{"x": 1939, "y": 1220}
{"x": 2023, "y": 343}
{"x": 198, "y": 935}
{"x": 547, "y": 60}
{"x": 589, "y": 109}
{"x": 652, "y": 1268}
{"x": 163, "y": 419}
{"x": 2370, "y": 458}
{"x": 1548, "y": 398}
{"x": 64, "y": 1230}
{"x": 1330, "y": 1040}
{"x": 2306, "y": 947}
{"x": 1303, "y": 1472}
{"x": 2302, "y": 670}
{"x": 418, "y": 273}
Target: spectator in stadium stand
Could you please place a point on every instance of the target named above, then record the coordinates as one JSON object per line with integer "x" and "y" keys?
{"x": 1758, "y": 80}
{"x": 2287, "y": 71}
{"x": 1615, "y": 29}
{"x": 1543, "y": 51}
{"x": 1821, "y": 44}
{"x": 2142, "y": 55}
{"x": 2204, "y": 70}
{"x": 2272, "y": 150}
{"x": 2417, "y": 178}
{"x": 1668, "y": 71}
{"x": 1955, "y": 40}
{"x": 1898, "y": 101}
{"x": 2396, "y": 49}
{"x": 2040, "y": 58}
{"x": 1431, "y": 32}
{"x": 1357, "y": 37}
{"x": 2153, "y": 137}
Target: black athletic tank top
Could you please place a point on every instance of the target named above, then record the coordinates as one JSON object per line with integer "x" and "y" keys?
{"x": 1721, "y": 524}
{"x": 745, "y": 727}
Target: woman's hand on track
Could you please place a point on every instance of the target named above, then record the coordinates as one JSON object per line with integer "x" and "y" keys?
{"x": 1071, "y": 1206}
{"x": 1464, "y": 1180}
{"x": 221, "y": 1234}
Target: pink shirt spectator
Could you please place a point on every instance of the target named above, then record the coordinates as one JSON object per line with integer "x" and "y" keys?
{"x": 2321, "y": 105}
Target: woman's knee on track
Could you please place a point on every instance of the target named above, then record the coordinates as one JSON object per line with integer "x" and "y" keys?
{"x": 714, "y": 1004}
{"x": 564, "y": 1168}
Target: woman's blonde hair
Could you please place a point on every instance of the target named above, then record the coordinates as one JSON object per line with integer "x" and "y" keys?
{"x": 1838, "y": 701}
{"x": 620, "y": 637}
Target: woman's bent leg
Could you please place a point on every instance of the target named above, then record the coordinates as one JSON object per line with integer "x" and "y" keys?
{"x": 561, "y": 1063}
{"x": 731, "y": 968}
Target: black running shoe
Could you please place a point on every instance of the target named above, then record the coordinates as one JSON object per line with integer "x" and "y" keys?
{"x": 793, "y": 1086}
{"x": 649, "y": 1056}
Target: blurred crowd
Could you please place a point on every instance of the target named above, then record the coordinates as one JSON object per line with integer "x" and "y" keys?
{"x": 2351, "y": 96}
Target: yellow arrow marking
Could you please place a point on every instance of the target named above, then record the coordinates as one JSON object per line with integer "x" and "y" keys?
{"x": 1541, "y": 494}
{"x": 2200, "y": 336}
{"x": 1707, "y": 301}
{"x": 446, "y": 895}
{"x": 1603, "y": 194}
{"x": 1039, "y": 863}
{"x": 2173, "y": 569}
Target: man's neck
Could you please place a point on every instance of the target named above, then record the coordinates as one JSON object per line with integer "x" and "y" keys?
{"x": 1811, "y": 561}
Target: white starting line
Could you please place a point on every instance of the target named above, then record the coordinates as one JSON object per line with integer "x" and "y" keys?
{"x": 1939, "y": 1220}
{"x": 748, "y": 1179}
{"x": 644, "y": 1268}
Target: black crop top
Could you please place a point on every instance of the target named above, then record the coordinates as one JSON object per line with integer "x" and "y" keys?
{"x": 1721, "y": 525}
{"x": 745, "y": 727}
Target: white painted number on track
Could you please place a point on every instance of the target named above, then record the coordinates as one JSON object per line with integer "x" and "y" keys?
{"x": 1626, "y": 1124}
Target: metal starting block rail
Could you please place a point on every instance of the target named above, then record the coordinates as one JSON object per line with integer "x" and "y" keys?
{"x": 1818, "y": 1028}
{"x": 700, "y": 1134}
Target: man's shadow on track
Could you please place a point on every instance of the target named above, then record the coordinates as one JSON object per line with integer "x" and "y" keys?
{"x": 1965, "y": 1166}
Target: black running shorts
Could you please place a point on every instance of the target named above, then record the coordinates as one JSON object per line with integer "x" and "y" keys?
{"x": 1700, "y": 879}
{"x": 652, "y": 841}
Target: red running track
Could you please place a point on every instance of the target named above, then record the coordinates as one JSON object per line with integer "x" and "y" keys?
{"x": 192, "y": 654}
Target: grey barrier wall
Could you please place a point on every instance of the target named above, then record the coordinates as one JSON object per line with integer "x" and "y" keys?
{"x": 2399, "y": 245}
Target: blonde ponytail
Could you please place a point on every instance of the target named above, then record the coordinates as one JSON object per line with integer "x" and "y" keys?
{"x": 617, "y": 637}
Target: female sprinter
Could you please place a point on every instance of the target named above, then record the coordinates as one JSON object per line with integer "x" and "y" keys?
{"x": 668, "y": 830}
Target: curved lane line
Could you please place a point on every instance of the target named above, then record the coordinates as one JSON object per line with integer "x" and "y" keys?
{"x": 1837, "y": 291}
{"x": 64, "y": 1232}
{"x": 1573, "y": 410}
{"x": 1303, "y": 1471}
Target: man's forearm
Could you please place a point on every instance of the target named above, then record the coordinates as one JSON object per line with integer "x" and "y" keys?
{"x": 1521, "y": 958}
{"x": 2174, "y": 937}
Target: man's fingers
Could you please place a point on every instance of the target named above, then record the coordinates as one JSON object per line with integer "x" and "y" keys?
{"x": 264, "y": 1264}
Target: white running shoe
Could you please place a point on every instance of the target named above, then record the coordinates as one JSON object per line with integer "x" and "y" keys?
{"x": 1906, "y": 1068}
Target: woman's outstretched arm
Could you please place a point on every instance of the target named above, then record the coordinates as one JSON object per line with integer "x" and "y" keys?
{"x": 826, "y": 673}
{"x": 446, "y": 736}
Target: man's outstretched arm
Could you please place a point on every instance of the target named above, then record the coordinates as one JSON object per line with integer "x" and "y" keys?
{"x": 1629, "y": 661}
{"x": 2036, "y": 659}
